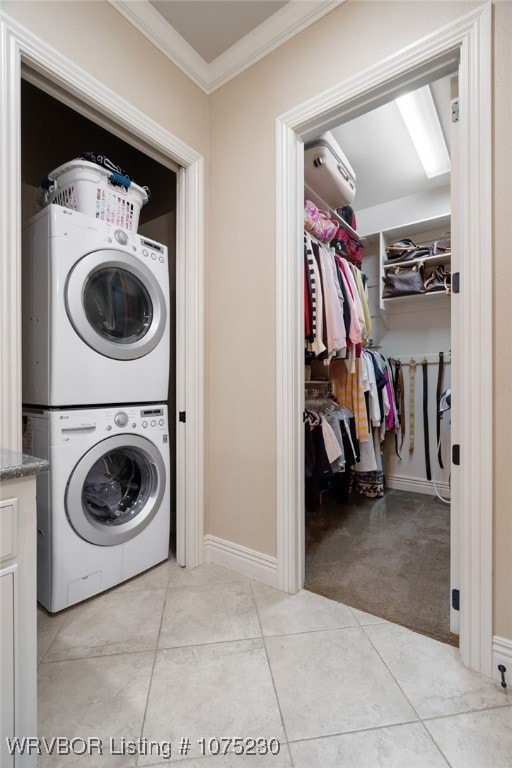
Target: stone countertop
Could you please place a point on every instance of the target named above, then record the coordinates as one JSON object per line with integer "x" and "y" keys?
{"x": 13, "y": 464}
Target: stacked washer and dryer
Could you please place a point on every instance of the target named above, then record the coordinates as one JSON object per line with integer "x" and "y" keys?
{"x": 95, "y": 383}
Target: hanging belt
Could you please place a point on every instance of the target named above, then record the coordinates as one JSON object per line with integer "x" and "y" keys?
{"x": 412, "y": 372}
{"x": 399, "y": 400}
{"x": 424, "y": 365}
{"x": 438, "y": 402}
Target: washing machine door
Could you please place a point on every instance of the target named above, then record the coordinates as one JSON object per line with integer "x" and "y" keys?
{"x": 115, "y": 304}
{"x": 115, "y": 489}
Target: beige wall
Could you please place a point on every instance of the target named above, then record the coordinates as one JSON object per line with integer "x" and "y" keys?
{"x": 503, "y": 322}
{"x": 99, "y": 40}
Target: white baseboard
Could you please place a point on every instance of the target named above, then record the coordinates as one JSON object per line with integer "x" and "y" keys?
{"x": 248, "y": 562}
{"x": 416, "y": 484}
{"x": 502, "y": 654}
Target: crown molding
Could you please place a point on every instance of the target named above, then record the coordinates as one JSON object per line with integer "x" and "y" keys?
{"x": 289, "y": 21}
{"x": 151, "y": 24}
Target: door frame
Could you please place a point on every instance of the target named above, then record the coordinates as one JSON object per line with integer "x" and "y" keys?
{"x": 20, "y": 48}
{"x": 466, "y": 43}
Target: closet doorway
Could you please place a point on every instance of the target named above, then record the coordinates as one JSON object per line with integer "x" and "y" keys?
{"x": 377, "y": 533}
{"x": 464, "y": 44}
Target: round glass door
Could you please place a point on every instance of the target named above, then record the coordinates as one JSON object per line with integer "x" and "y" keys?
{"x": 115, "y": 304}
{"x": 115, "y": 490}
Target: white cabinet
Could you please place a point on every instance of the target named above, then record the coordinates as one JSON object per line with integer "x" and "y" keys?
{"x": 7, "y": 631}
{"x": 425, "y": 232}
{"x": 18, "y": 616}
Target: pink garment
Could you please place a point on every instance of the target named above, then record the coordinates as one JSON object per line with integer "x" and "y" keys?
{"x": 333, "y": 315}
{"x": 354, "y": 332}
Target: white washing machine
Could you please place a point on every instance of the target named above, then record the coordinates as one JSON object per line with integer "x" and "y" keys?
{"x": 103, "y": 511}
{"x": 95, "y": 312}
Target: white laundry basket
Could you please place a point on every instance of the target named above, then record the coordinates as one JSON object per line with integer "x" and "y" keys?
{"x": 90, "y": 189}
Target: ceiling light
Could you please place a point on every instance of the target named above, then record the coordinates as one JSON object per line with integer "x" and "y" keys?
{"x": 421, "y": 120}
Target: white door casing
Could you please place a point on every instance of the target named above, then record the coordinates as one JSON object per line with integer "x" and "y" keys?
{"x": 19, "y": 47}
{"x": 465, "y": 43}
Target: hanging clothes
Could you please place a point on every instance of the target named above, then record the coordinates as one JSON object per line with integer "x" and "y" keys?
{"x": 348, "y": 390}
{"x": 337, "y": 325}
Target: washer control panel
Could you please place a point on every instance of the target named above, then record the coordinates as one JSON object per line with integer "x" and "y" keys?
{"x": 83, "y": 426}
{"x": 121, "y": 418}
{"x": 138, "y": 419}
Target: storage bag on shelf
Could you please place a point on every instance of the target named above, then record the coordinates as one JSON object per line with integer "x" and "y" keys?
{"x": 318, "y": 222}
{"x": 328, "y": 172}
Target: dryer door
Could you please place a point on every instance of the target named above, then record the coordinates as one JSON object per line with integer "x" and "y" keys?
{"x": 115, "y": 489}
{"x": 115, "y": 304}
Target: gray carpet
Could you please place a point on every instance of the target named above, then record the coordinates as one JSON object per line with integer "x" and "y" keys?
{"x": 389, "y": 557}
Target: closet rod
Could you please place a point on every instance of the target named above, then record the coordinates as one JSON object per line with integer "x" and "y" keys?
{"x": 319, "y": 242}
{"x": 432, "y": 358}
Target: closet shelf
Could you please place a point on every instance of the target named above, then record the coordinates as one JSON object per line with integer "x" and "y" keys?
{"x": 428, "y": 261}
{"x": 417, "y": 296}
{"x": 317, "y": 200}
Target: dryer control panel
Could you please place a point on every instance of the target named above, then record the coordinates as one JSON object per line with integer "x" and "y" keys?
{"x": 66, "y": 223}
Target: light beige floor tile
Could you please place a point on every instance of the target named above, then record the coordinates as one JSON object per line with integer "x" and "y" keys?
{"x": 205, "y": 575}
{"x": 399, "y": 746}
{"x": 47, "y": 627}
{"x": 102, "y": 697}
{"x": 196, "y": 615}
{"x": 431, "y": 673}
{"x": 477, "y": 739}
{"x": 112, "y": 623}
{"x": 282, "y": 760}
{"x": 331, "y": 682}
{"x": 282, "y": 614}
{"x": 366, "y": 618}
{"x": 154, "y": 578}
{"x": 219, "y": 690}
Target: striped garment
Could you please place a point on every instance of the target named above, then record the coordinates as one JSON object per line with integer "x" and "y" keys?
{"x": 348, "y": 390}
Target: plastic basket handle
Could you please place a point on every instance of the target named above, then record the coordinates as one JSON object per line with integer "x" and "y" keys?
{"x": 119, "y": 180}
{"x": 46, "y": 187}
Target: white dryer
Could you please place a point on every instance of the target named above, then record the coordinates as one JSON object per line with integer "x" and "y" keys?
{"x": 103, "y": 511}
{"x": 95, "y": 312}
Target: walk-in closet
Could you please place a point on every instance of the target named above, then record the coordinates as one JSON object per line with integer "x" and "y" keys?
{"x": 379, "y": 272}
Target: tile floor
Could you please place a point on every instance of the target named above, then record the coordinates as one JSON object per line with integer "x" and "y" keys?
{"x": 208, "y": 653}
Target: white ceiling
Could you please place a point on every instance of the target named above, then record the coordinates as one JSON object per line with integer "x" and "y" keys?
{"x": 212, "y": 41}
{"x": 213, "y": 26}
{"x": 380, "y": 150}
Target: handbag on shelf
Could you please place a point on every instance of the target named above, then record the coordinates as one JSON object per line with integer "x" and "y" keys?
{"x": 405, "y": 250}
{"x": 404, "y": 281}
{"x": 318, "y": 222}
{"x": 443, "y": 246}
{"x": 439, "y": 280}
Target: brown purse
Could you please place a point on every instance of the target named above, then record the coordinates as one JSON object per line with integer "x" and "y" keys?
{"x": 404, "y": 281}
{"x": 439, "y": 280}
